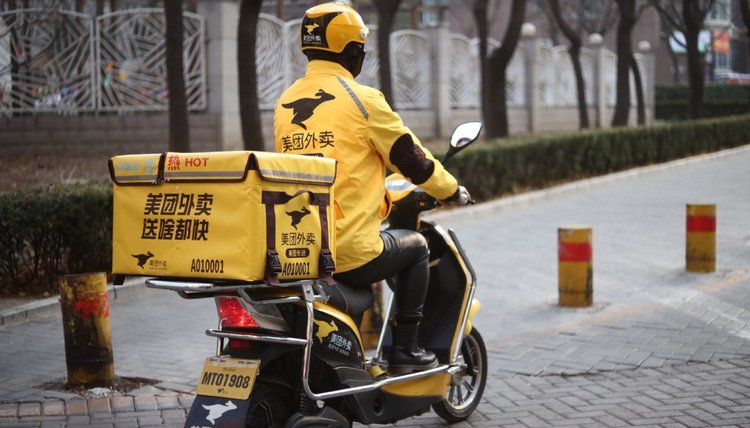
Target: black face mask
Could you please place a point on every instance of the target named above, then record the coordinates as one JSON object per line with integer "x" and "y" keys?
{"x": 355, "y": 65}
{"x": 351, "y": 58}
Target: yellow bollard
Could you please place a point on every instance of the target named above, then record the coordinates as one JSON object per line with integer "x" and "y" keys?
{"x": 575, "y": 267}
{"x": 88, "y": 342}
{"x": 700, "y": 242}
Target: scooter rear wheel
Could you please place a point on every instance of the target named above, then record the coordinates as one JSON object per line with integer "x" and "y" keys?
{"x": 467, "y": 387}
{"x": 270, "y": 406}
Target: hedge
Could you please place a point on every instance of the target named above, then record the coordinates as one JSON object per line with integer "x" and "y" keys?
{"x": 50, "y": 231}
{"x": 67, "y": 229}
{"x": 510, "y": 166}
{"x": 720, "y": 100}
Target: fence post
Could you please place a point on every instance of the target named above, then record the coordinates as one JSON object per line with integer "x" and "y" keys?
{"x": 221, "y": 69}
{"x": 597, "y": 43}
{"x": 441, "y": 78}
{"x": 647, "y": 79}
{"x": 88, "y": 341}
{"x": 530, "y": 46}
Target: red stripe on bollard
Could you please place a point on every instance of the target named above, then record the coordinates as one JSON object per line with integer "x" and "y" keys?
{"x": 701, "y": 223}
{"x": 574, "y": 252}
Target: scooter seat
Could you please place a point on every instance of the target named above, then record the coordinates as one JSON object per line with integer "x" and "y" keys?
{"x": 351, "y": 299}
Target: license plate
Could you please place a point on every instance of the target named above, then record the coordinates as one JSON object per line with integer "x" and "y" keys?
{"x": 227, "y": 377}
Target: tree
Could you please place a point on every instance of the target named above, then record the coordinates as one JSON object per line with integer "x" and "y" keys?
{"x": 179, "y": 129}
{"x": 386, "y": 15}
{"x": 494, "y": 66}
{"x": 624, "y": 59}
{"x": 575, "y": 58}
{"x": 248, "y": 75}
{"x": 745, "y": 10}
{"x": 688, "y": 16}
{"x": 666, "y": 34}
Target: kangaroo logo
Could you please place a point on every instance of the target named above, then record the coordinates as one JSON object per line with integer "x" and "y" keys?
{"x": 303, "y": 107}
{"x": 143, "y": 258}
{"x": 310, "y": 28}
{"x": 297, "y": 216}
{"x": 216, "y": 411}
{"x": 325, "y": 329}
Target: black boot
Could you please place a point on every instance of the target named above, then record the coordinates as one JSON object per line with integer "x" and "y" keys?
{"x": 406, "y": 355}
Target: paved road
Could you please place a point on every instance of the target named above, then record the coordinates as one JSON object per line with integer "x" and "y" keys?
{"x": 660, "y": 347}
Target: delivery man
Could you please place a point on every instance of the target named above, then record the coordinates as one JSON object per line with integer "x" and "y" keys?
{"x": 326, "y": 113}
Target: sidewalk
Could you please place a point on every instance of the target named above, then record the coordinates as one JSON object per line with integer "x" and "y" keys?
{"x": 659, "y": 347}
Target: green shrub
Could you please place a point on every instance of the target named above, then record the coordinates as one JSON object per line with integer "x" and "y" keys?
{"x": 509, "y": 166}
{"x": 720, "y": 100}
{"x": 46, "y": 232}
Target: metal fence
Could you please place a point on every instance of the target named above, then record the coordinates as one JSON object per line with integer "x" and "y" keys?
{"x": 68, "y": 63}
{"x": 280, "y": 62}
{"x": 63, "y": 62}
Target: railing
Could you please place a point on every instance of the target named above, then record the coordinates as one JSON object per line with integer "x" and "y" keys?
{"x": 64, "y": 62}
{"x": 68, "y": 63}
{"x": 413, "y": 59}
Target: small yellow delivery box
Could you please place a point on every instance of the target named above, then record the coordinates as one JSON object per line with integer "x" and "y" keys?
{"x": 224, "y": 215}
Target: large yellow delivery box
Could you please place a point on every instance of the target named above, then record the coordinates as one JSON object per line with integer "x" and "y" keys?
{"x": 226, "y": 215}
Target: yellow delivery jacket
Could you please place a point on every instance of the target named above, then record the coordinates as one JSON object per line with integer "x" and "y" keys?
{"x": 327, "y": 113}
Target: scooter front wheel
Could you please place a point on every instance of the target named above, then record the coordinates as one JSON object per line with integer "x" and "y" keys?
{"x": 466, "y": 387}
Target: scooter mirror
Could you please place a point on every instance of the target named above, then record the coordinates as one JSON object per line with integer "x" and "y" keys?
{"x": 464, "y": 134}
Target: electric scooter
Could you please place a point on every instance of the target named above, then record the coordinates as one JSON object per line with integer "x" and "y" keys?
{"x": 292, "y": 355}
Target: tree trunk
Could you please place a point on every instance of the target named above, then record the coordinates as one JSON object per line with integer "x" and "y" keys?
{"x": 386, "y": 14}
{"x": 247, "y": 74}
{"x": 638, "y": 91}
{"x": 497, "y": 123}
{"x": 693, "y": 22}
{"x": 10, "y": 22}
{"x": 624, "y": 55}
{"x": 179, "y": 130}
{"x": 480, "y": 15}
{"x": 745, "y": 9}
{"x": 575, "y": 58}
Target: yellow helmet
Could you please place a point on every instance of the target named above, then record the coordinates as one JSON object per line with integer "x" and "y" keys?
{"x": 331, "y": 26}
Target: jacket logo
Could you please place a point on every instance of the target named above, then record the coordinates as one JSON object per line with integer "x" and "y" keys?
{"x": 297, "y": 216}
{"x": 143, "y": 258}
{"x": 303, "y": 108}
{"x": 325, "y": 329}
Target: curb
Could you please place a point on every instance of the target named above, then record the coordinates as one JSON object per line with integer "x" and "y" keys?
{"x": 51, "y": 305}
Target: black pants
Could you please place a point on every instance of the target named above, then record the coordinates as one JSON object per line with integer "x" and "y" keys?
{"x": 406, "y": 256}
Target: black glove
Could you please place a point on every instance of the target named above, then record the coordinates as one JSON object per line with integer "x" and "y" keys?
{"x": 461, "y": 197}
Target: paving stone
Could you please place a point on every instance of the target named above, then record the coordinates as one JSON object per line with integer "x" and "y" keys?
{"x": 122, "y": 404}
{"x": 76, "y": 407}
{"x": 142, "y": 403}
{"x": 8, "y": 410}
{"x": 29, "y": 409}
{"x": 99, "y": 405}
{"x": 164, "y": 403}
{"x": 53, "y": 408}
